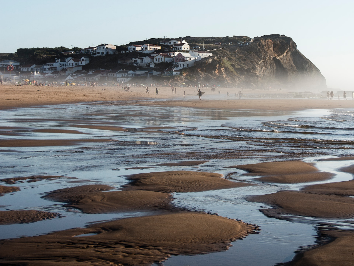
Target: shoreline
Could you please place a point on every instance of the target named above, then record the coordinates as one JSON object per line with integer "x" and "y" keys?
{"x": 28, "y": 96}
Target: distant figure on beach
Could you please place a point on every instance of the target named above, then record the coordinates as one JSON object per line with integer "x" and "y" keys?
{"x": 331, "y": 94}
{"x": 344, "y": 95}
{"x": 328, "y": 95}
{"x": 200, "y": 93}
{"x": 175, "y": 90}
{"x": 147, "y": 90}
{"x": 239, "y": 94}
{"x": 157, "y": 91}
{"x": 1, "y": 81}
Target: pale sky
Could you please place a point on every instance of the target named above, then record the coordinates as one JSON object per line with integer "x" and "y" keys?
{"x": 322, "y": 29}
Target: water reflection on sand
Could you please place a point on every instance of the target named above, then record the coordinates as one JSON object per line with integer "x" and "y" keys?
{"x": 145, "y": 139}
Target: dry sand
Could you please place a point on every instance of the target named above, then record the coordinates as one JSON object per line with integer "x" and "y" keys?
{"x": 24, "y": 96}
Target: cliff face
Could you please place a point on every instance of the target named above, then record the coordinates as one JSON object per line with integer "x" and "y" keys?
{"x": 267, "y": 62}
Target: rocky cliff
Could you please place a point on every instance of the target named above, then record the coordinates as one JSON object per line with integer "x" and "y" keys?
{"x": 271, "y": 61}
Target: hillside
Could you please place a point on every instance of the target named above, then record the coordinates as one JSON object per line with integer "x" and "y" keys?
{"x": 271, "y": 61}
{"x": 268, "y": 61}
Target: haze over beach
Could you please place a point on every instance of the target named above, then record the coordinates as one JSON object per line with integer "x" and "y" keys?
{"x": 238, "y": 136}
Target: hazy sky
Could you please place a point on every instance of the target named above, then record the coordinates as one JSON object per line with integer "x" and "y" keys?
{"x": 322, "y": 29}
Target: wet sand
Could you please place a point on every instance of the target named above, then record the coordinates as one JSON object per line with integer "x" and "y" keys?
{"x": 285, "y": 172}
{"x": 132, "y": 241}
{"x": 92, "y": 199}
{"x": 331, "y": 200}
{"x": 45, "y": 142}
{"x": 147, "y": 239}
{"x": 6, "y": 189}
{"x": 181, "y": 181}
{"x": 24, "y": 216}
{"x": 338, "y": 252}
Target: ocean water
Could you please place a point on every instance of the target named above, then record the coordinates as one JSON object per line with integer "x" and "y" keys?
{"x": 154, "y": 136}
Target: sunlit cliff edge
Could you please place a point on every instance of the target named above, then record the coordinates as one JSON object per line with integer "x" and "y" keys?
{"x": 270, "y": 61}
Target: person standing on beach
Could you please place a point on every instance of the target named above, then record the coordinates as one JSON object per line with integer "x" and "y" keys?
{"x": 200, "y": 94}
{"x": 344, "y": 95}
{"x": 157, "y": 91}
{"x": 147, "y": 90}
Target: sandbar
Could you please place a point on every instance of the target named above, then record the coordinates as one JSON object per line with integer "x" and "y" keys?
{"x": 345, "y": 188}
{"x": 6, "y": 189}
{"x": 131, "y": 241}
{"x": 181, "y": 181}
{"x": 35, "y": 178}
{"x": 285, "y": 172}
{"x": 306, "y": 204}
{"x": 45, "y": 142}
{"x": 24, "y": 216}
{"x": 96, "y": 199}
{"x": 338, "y": 252}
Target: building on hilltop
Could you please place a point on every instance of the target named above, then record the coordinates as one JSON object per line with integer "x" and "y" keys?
{"x": 150, "y": 48}
{"x": 89, "y": 50}
{"x": 104, "y": 49}
{"x": 134, "y": 48}
{"x": 181, "y": 47}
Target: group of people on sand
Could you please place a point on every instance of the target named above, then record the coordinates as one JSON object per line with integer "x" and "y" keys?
{"x": 174, "y": 90}
{"x": 330, "y": 95}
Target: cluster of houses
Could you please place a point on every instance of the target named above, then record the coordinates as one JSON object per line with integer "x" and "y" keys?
{"x": 179, "y": 54}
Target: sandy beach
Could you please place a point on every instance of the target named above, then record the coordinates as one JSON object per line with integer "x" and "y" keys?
{"x": 144, "y": 240}
{"x": 24, "y": 96}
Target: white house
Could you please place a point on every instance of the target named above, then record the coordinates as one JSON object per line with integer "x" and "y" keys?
{"x": 150, "y": 48}
{"x": 134, "y": 48}
{"x": 89, "y": 50}
{"x": 172, "y": 42}
{"x": 58, "y": 65}
{"x": 185, "y": 64}
{"x": 163, "y": 58}
{"x": 104, "y": 49}
{"x": 181, "y": 47}
{"x": 73, "y": 62}
{"x": 200, "y": 54}
{"x": 84, "y": 61}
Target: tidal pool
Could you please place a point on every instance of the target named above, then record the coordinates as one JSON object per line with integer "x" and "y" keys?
{"x": 140, "y": 139}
